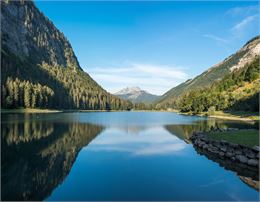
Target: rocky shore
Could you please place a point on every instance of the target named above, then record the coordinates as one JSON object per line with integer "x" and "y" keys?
{"x": 237, "y": 153}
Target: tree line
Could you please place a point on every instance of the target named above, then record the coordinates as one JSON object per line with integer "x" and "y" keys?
{"x": 238, "y": 90}
{"x": 29, "y": 85}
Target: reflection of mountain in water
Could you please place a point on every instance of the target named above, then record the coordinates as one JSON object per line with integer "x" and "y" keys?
{"x": 37, "y": 156}
{"x": 184, "y": 132}
{"x": 132, "y": 129}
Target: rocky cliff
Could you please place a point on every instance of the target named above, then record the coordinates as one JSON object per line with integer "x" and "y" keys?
{"x": 27, "y": 33}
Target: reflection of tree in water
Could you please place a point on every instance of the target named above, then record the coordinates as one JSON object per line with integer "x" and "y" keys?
{"x": 184, "y": 132}
{"x": 17, "y": 132}
{"x": 36, "y": 158}
{"x": 248, "y": 175}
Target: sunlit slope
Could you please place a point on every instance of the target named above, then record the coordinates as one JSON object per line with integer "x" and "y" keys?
{"x": 245, "y": 55}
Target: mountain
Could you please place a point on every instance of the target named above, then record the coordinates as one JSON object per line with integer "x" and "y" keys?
{"x": 136, "y": 95}
{"x": 39, "y": 68}
{"x": 246, "y": 55}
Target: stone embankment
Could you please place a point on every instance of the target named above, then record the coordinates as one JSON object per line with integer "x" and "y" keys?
{"x": 234, "y": 152}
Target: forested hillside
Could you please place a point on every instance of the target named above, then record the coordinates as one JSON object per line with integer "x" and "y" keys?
{"x": 238, "y": 91}
{"x": 245, "y": 55}
{"x": 39, "y": 68}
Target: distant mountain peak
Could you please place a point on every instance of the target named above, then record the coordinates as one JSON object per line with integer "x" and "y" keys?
{"x": 129, "y": 90}
{"x": 136, "y": 95}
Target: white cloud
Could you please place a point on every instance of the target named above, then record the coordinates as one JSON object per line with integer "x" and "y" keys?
{"x": 243, "y": 10}
{"x": 216, "y": 38}
{"x": 244, "y": 23}
{"x": 154, "y": 141}
{"x": 155, "y": 79}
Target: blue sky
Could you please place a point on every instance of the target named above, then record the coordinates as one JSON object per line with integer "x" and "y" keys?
{"x": 153, "y": 45}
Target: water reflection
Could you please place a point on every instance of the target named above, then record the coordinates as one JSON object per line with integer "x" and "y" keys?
{"x": 37, "y": 156}
{"x": 39, "y": 150}
{"x": 148, "y": 142}
{"x": 184, "y": 131}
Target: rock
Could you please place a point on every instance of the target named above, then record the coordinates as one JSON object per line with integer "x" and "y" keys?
{"x": 214, "y": 148}
{"x": 201, "y": 144}
{"x": 205, "y": 146}
{"x": 221, "y": 153}
{"x": 229, "y": 154}
{"x": 250, "y": 155}
{"x": 230, "y": 129}
{"x": 253, "y": 162}
{"x": 216, "y": 144}
{"x": 224, "y": 149}
{"x": 238, "y": 152}
{"x": 233, "y": 145}
{"x": 233, "y": 158}
{"x": 256, "y": 148}
{"x": 242, "y": 158}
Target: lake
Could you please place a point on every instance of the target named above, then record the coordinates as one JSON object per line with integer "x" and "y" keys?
{"x": 114, "y": 156}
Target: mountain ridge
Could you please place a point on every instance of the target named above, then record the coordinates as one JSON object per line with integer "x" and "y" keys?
{"x": 235, "y": 61}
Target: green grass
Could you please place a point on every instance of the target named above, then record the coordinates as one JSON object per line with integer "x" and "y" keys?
{"x": 29, "y": 110}
{"x": 244, "y": 137}
{"x": 235, "y": 115}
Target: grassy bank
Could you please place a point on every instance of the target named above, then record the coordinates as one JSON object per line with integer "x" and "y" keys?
{"x": 29, "y": 110}
{"x": 244, "y": 137}
{"x": 237, "y": 115}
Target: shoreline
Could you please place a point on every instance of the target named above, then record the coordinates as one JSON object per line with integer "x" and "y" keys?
{"x": 219, "y": 115}
{"x": 234, "y": 151}
{"x": 244, "y": 116}
{"x": 4, "y": 111}
{"x": 232, "y": 118}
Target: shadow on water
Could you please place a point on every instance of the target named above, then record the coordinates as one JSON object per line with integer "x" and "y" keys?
{"x": 38, "y": 155}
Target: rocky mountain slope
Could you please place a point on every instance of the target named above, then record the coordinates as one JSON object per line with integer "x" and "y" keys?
{"x": 39, "y": 67}
{"x": 245, "y": 55}
{"x": 136, "y": 95}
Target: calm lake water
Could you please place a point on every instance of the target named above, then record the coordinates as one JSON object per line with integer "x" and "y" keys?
{"x": 113, "y": 156}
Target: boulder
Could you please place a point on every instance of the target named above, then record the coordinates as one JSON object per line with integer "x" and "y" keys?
{"x": 242, "y": 158}
{"x": 229, "y": 154}
{"x": 253, "y": 162}
{"x": 250, "y": 154}
{"x": 238, "y": 152}
{"x": 224, "y": 149}
{"x": 205, "y": 146}
{"x": 256, "y": 148}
